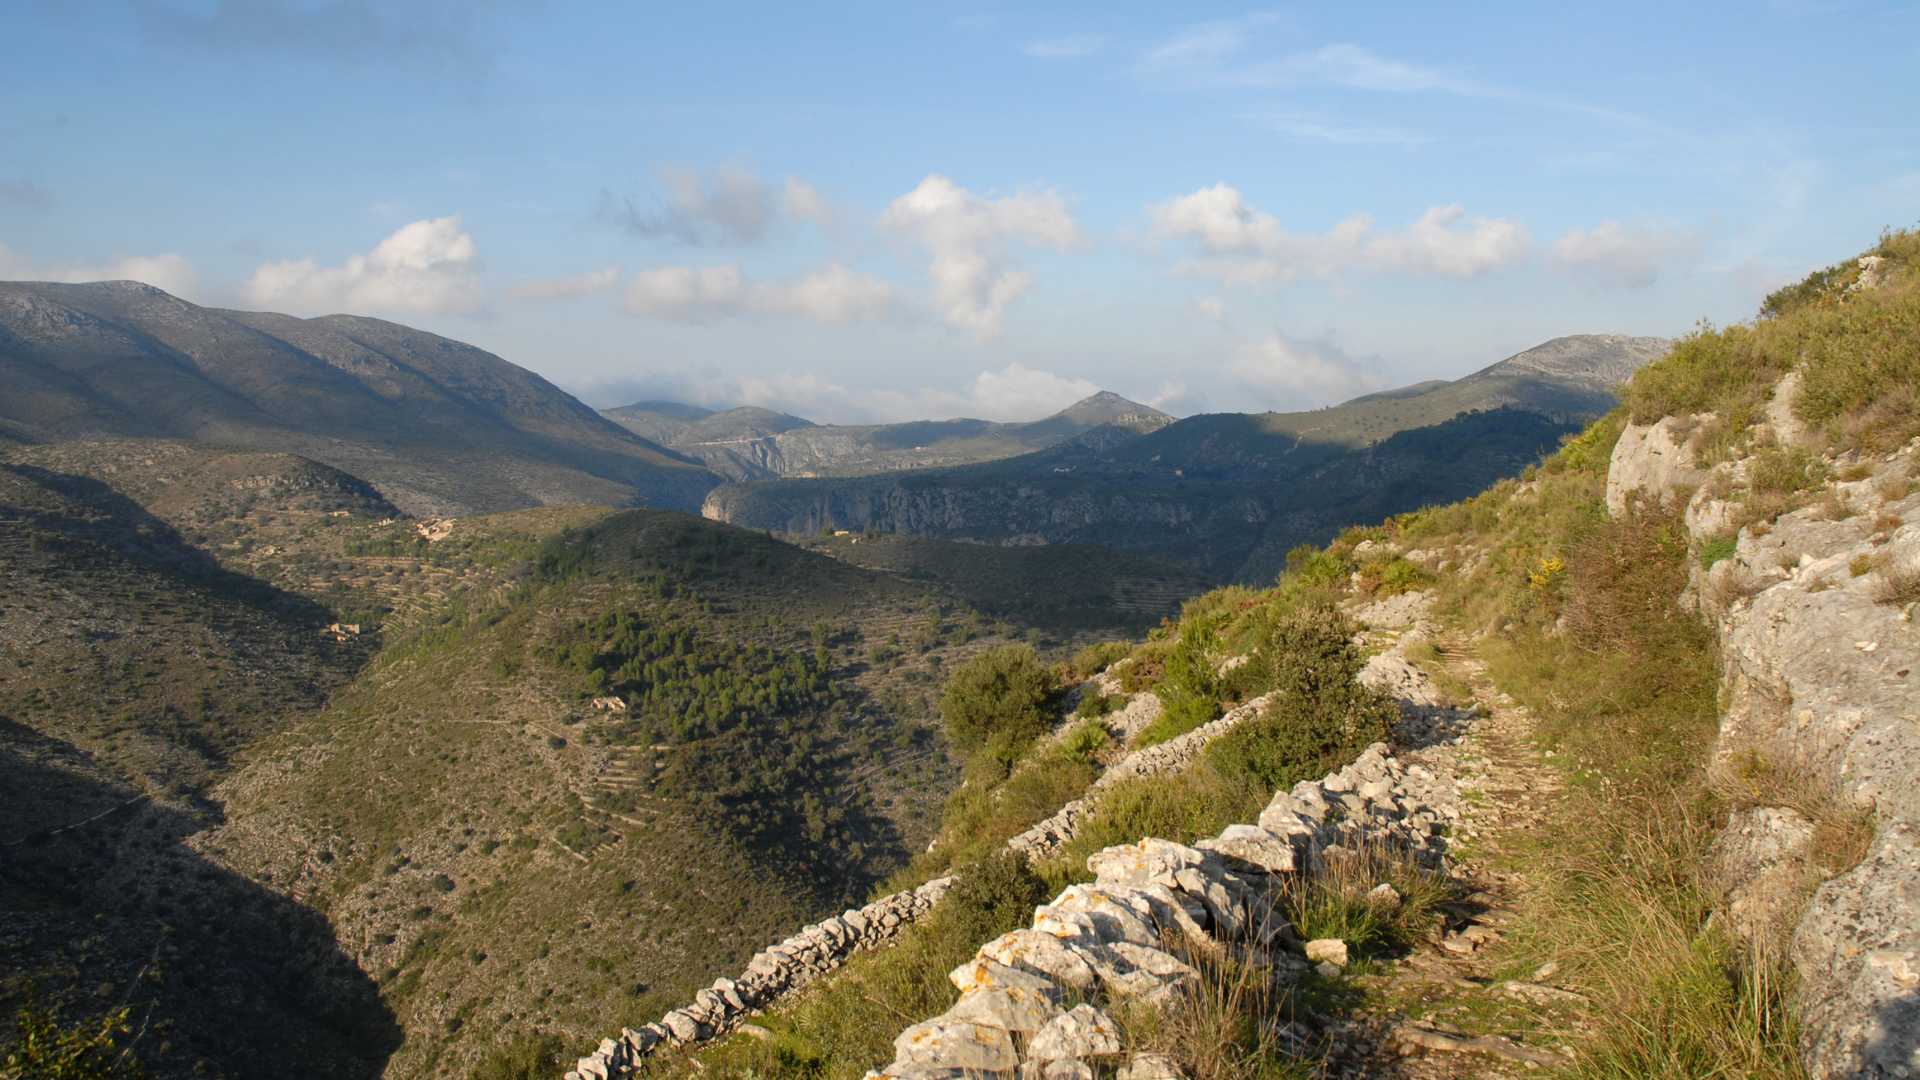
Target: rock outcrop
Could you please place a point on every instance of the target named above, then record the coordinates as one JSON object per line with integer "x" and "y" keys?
{"x": 1134, "y": 931}
{"x": 1821, "y": 684}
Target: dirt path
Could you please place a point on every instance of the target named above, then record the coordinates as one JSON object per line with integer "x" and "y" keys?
{"x": 1456, "y": 1007}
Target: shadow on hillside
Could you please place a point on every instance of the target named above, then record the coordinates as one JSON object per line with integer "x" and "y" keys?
{"x": 225, "y": 977}
{"x": 123, "y": 526}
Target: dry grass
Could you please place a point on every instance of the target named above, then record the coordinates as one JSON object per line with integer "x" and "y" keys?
{"x": 1234, "y": 1023}
{"x": 1897, "y": 585}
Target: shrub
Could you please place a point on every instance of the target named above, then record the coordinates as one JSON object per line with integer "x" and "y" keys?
{"x": 1189, "y": 687}
{"x": 1094, "y": 706}
{"x": 1320, "y": 714}
{"x": 1003, "y": 692}
{"x": 1094, "y": 659}
{"x": 1086, "y": 739}
{"x": 990, "y": 896}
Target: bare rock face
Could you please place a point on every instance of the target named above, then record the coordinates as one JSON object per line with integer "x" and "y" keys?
{"x": 1860, "y": 944}
{"x": 1821, "y": 681}
{"x": 1761, "y": 860}
{"x": 1655, "y": 460}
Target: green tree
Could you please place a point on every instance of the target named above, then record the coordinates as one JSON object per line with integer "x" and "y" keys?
{"x": 1003, "y": 694}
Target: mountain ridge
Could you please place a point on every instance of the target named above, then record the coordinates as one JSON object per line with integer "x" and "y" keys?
{"x": 439, "y": 425}
{"x": 749, "y": 443}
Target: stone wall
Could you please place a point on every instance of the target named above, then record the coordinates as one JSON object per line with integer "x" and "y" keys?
{"x": 1821, "y": 689}
{"x": 817, "y": 949}
{"x": 1133, "y": 931}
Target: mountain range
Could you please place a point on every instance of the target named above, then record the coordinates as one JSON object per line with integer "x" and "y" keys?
{"x": 1228, "y": 494}
{"x": 750, "y": 443}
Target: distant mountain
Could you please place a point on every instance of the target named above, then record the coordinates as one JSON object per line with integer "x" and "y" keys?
{"x": 1227, "y": 494}
{"x": 758, "y": 444}
{"x": 437, "y": 425}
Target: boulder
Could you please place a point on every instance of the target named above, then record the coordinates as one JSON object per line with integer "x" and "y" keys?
{"x": 1151, "y": 1067}
{"x": 1044, "y": 954}
{"x": 1327, "y": 951}
{"x": 1252, "y": 846}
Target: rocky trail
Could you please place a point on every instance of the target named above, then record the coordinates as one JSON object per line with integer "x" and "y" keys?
{"x": 1455, "y": 1007}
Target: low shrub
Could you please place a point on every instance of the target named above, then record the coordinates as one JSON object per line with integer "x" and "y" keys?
{"x": 1001, "y": 693}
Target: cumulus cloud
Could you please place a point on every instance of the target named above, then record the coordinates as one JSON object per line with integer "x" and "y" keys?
{"x": 1241, "y": 243}
{"x": 697, "y": 294}
{"x": 426, "y": 267}
{"x": 968, "y": 237}
{"x": 1071, "y": 47}
{"x": 172, "y": 273}
{"x": 1288, "y": 373}
{"x": 1624, "y": 256}
{"x": 564, "y": 288}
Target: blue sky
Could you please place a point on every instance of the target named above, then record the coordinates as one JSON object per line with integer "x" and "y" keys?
{"x": 885, "y": 211}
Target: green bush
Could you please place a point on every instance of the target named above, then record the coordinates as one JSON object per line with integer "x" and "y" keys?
{"x": 991, "y": 896}
{"x": 1097, "y": 658}
{"x": 1094, "y": 706}
{"x": 1189, "y": 687}
{"x": 1716, "y": 549}
{"x": 1086, "y": 739}
{"x": 1002, "y": 693}
{"x": 1320, "y": 714}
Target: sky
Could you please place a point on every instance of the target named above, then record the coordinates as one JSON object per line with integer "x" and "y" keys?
{"x": 875, "y": 212}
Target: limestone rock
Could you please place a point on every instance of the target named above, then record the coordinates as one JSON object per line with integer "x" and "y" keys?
{"x": 956, "y": 1044}
{"x": 1151, "y": 1067}
{"x": 1761, "y": 862}
{"x": 1082, "y": 1032}
{"x": 1149, "y": 862}
{"x": 1655, "y": 460}
{"x": 1014, "y": 1008}
{"x": 1043, "y": 954}
{"x": 1252, "y": 846}
{"x": 1327, "y": 951}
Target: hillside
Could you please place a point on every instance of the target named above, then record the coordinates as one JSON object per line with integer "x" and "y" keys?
{"x": 438, "y": 426}
{"x": 168, "y": 647}
{"x": 1227, "y": 494}
{"x": 757, "y": 444}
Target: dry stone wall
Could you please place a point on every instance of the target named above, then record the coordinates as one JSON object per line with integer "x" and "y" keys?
{"x": 817, "y": 949}
{"x": 1821, "y": 682}
{"x": 1132, "y": 933}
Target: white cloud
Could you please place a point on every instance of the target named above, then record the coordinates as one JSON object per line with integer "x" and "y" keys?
{"x": 805, "y": 203}
{"x": 1625, "y": 256}
{"x": 171, "y": 273}
{"x": 426, "y": 267}
{"x": 564, "y": 288}
{"x": 1071, "y": 47}
{"x": 968, "y": 236}
{"x": 1242, "y": 243}
{"x": 1288, "y": 373}
{"x": 1018, "y": 390}
{"x": 1211, "y": 308}
{"x": 832, "y": 293}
